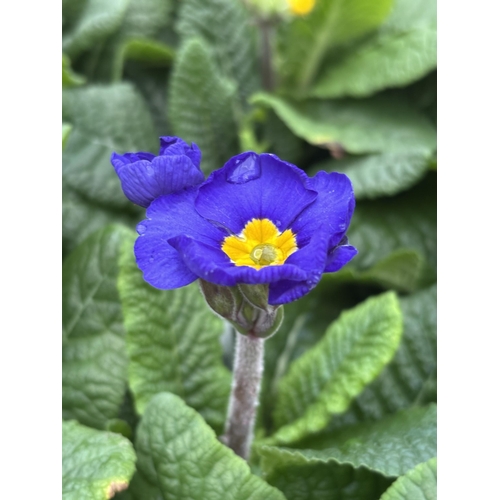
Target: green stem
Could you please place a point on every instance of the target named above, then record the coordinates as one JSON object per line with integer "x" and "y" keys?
{"x": 318, "y": 51}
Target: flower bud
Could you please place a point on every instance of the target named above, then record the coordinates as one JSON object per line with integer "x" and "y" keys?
{"x": 245, "y": 307}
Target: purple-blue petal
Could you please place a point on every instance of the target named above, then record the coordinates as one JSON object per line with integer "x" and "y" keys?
{"x": 210, "y": 263}
{"x": 144, "y": 181}
{"x": 170, "y": 216}
{"x": 176, "y": 146}
{"x": 339, "y": 257}
{"x": 332, "y": 210}
{"x": 254, "y": 186}
{"x": 312, "y": 259}
{"x": 119, "y": 161}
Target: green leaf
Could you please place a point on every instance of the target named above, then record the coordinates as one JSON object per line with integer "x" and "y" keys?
{"x": 94, "y": 359}
{"x": 146, "y": 19}
{"x": 299, "y": 479}
{"x": 69, "y": 77}
{"x": 104, "y": 119}
{"x": 80, "y": 218}
{"x": 389, "y": 61}
{"x": 383, "y": 227}
{"x": 66, "y": 129}
{"x": 391, "y": 446}
{"x": 95, "y": 464}
{"x": 305, "y": 41}
{"x": 379, "y": 124}
{"x": 402, "y": 51}
{"x": 148, "y": 51}
{"x": 401, "y": 271}
{"x": 173, "y": 344}
{"x": 325, "y": 380}
{"x": 180, "y": 457}
{"x": 226, "y": 27}
{"x": 98, "y": 20}
{"x": 200, "y": 105}
{"x": 378, "y": 175}
{"x": 418, "y": 484}
{"x": 413, "y": 368}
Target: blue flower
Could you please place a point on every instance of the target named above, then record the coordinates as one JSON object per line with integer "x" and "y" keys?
{"x": 257, "y": 220}
{"x": 145, "y": 176}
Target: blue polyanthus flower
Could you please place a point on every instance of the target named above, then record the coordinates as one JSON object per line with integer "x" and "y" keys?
{"x": 145, "y": 177}
{"x": 257, "y": 220}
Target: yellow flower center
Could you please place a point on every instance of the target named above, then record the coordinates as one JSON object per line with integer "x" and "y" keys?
{"x": 260, "y": 244}
{"x": 301, "y": 7}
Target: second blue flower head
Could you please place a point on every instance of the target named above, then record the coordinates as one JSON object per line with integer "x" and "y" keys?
{"x": 145, "y": 177}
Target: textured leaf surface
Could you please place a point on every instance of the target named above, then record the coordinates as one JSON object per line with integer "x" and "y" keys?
{"x": 382, "y": 227}
{"x": 200, "y": 105}
{"x": 300, "y": 479}
{"x": 391, "y": 61}
{"x": 81, "y": 218}
{"x": 95, "y": 464}
{"x": 418, "y": 484}
{"x": 358, "y": 126}
{"x": 94, "y": 359}
{"x": 402, "y": 51}
{"x": 226, "y": 27}
{"x": 391, "y": 446}
{"x": 98, "y": 20}
{"x": 324, "y": 381}
{"x": 385, "y": 174}
{"x": 403, "y": 381}
{"x": 173, "y": 344}
{"x": 180, "y": 457}
{"x": 305, "y": 40}
{"x": 105, "y": 119}
{"x": 401, "y": 271}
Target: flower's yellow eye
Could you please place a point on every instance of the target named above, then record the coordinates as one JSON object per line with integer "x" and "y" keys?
{"x": 260, "y": 244}
{"x": 301, "y": 7}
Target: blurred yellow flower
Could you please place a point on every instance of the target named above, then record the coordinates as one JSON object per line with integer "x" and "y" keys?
{"x": 301, "y": 7}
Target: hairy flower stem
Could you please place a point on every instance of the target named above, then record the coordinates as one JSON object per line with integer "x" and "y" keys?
{"x": 266, "y": 63}
{"x": 247, "y": 375}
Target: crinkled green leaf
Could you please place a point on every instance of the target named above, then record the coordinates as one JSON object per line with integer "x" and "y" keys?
{"x": 173, "y": 344}
{"x": 300, "y": 479}
{"x": 227, "y": 28}
{"x": 325, "y": 380}
{"x": 305, "y": 41}
{"x": 95, "y": 464}
{"x": 200, "y": 105}
{"x": 404, "y": 380}
{"x": 98, "y": 20}
{"x": 402, "y": 51}
{"x": 104, "y": 119}
{"x": 391, "y": 446}
{"x": 389, "y": 61}
{"x": 80, "y": 218}
{"x": 379, "y": 124}
{"x": 180, "y": 458}
{"x": 384, "y": 174}
{"x": 380, "y": 228}
{"x": 401, "y": 271}
{"x": 69, "y": 77}
{"x": 94, "y": 364}
{"x": 418, "y": 484}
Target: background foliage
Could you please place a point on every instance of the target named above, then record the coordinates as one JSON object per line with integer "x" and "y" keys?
{"x": 348, "y": 405}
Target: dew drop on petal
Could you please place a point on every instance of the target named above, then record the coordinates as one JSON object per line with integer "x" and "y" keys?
{"x": 141, "y": 228}
{"x": 247, "y": 170}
